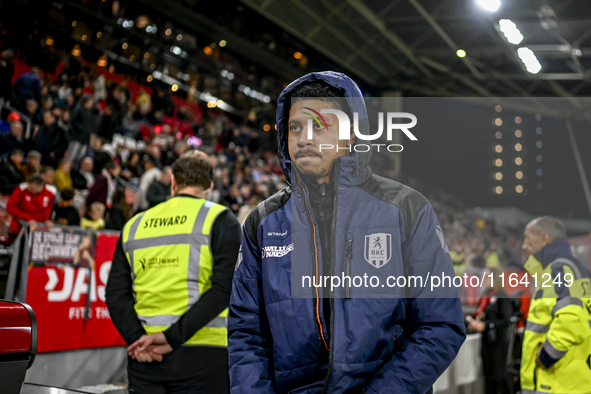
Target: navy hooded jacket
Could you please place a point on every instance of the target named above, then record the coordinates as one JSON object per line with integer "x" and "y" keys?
{"x": 385, "y": 344}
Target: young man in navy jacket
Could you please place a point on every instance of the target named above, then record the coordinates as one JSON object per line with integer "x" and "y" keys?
{"x": 337, "y": 219}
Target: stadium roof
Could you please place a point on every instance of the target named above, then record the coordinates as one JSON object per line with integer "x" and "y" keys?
{"x": 412, "y": 45}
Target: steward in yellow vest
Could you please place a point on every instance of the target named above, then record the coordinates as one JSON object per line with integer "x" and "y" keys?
{"x": 169, "y": 287}
{"x": 556, "y": 355}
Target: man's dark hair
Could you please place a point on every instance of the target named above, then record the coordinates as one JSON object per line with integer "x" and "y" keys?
{"x": 36, "y": 180}
{"x": 46, "y": 169}
{"x": 549, "y": 225}
{"x": 111, "y": 165}
{"x": 16, "y": 151}
{"x": 316, "y": 89}
{"x": 323, "y": 92}
{"x": 193, "y": 169}
{"x": 67, "y": 194}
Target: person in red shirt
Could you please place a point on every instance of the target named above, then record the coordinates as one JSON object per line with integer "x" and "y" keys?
{"x": 32, "y": 202}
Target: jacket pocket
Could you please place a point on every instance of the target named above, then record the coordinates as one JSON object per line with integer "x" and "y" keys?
{"x": 349, "y": 255}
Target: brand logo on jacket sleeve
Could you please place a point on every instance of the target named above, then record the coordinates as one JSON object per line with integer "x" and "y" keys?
{"x": 276, "y": 251}
{"x": 378, "y": 249}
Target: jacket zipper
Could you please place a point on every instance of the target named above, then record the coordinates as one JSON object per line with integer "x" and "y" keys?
{"x": 318, "y": 322}
{"x": 332, "y": 269}
{"x": 349, "y": 253}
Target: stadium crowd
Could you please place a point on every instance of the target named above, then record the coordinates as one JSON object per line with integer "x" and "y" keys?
{"x": 104, "y": 153}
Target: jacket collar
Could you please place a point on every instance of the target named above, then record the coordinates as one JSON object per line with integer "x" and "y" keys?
{"x": 552, "y": 251}
{"x": 537, "y": 262}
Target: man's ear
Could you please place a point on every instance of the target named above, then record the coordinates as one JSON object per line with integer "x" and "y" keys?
{"x": 172, "y": 185}
{"x": 546, "y": 239}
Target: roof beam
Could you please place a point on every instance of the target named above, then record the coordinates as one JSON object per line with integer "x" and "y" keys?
{"x": 324, "y": 51}
{"x": 467, "y": 62}
{"x": 392, "y": 37}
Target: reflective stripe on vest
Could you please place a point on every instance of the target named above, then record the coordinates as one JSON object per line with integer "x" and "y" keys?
{"x": 168, "y": 248}
{"x": 537, "y": 327}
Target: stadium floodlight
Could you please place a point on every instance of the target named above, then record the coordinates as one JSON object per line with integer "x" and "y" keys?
{"x": 176, "y": 50}
{"x": 489, "y": 5}
{"x": 510, "y": 30}
{"x": 529, "y": 59}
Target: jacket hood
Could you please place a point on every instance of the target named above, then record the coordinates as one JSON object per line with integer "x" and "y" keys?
{"x": 354, "y": 168}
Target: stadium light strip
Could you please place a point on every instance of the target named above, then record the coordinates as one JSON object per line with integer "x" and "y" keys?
{"x": 529, "y": 59}
{"x": 511, "y": 32}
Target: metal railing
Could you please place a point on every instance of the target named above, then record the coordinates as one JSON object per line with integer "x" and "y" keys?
{"x": 18, "y": 260}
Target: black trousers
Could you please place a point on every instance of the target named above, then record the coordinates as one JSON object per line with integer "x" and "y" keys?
{"x": 188, "y": 369}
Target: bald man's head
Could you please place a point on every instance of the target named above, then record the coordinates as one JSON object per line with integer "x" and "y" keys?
{"x": 541, "y": 232}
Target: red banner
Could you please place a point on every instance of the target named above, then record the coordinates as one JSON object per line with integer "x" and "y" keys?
{"x": 57, "y": 293}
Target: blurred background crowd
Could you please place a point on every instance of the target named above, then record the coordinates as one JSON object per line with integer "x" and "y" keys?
{"x": 103, "y": 145}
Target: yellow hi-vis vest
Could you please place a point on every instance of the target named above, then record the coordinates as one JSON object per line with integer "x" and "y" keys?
{"x": 171, "y": 265}
{"x": 563, "y": 328}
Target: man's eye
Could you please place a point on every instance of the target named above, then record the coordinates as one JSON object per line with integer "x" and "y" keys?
{"x": 295, "y": 128}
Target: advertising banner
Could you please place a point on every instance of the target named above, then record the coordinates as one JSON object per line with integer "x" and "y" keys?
{"x": 66, "y": 288}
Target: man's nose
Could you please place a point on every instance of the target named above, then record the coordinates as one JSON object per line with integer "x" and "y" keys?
{"x": 303, "y": 139}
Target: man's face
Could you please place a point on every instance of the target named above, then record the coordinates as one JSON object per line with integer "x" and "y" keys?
{"x": 87, "y": 164}
{"x": 33, "y": 188}
{"x": 533, "y": 241}
{"x": 166, "y": 176}
{"x": 305, "y": 153}
{"x": 31, "y": 106}
{"x": 48, "y": 176}
{"x": 34, "y": 161}
{"x": 17, "y": 158}
{"x": 48, "y": 118}
{"x": 115, "y": 171}
{"x": 16, "y": 129}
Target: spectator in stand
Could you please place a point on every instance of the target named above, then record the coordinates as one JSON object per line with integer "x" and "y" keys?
{"x": 65, "y": 214}
{"x": 51, "y": 141}
{"x": 31, "y": 202}
{"x": 109, "y": 123}
{"x": 95, "y": 220}
{"x": 233, "y": 200}
{"x": 80, "y": 129}
{"x": 122, "y": 209}
{"x": 159, "y": 190}
{"x": 151, "y": 172}
{"x": 98, "y": 154}
{"x": 5, "y": 125}
{"x": 244, "y": 210}
{"x": 33, "y": 112}
{"x": 63, "y": 179}
{"x": 105, "y": 185}
{"x": 180, "y": 147}
{"x": 28, "y": 85}
{"x": 6, "y": 71}
{"x": 13, "y": 139}
{"x": 83, "y": 179}
{"x": 10, "y": 174}
{"x": 33, "y": 164}
{"x": 48, "y": 174}
{"x": 132, "y": 167}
